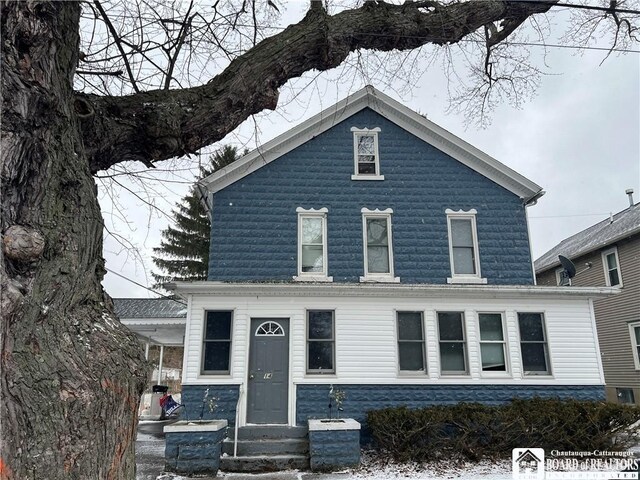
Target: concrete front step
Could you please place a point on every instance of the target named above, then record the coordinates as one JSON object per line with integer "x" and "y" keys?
{"x": 264, "y": 463}
{"x": 261, "y": 432}
{"x": 278, "y": 446}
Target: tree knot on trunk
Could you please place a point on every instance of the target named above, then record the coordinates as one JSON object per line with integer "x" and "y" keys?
{"x": 22, "y": 244}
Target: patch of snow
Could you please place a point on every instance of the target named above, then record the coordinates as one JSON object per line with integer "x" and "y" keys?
{"x": 45, "y": 309}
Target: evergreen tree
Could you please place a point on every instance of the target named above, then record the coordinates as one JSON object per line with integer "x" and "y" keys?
{"x": 183, "y": 254}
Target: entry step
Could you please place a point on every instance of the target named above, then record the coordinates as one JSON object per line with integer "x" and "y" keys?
{"x": 273, "y": 432}
{"x": 278, "y": 446}
{"x": 263, "y": 463}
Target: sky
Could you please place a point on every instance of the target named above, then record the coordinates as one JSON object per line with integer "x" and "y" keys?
{"x": 578, "y": 138}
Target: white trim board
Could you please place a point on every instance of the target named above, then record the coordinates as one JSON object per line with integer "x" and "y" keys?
{"x": 395, "y": 112}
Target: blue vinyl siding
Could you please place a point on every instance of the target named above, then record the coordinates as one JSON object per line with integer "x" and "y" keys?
{"x": 254, "y": 226}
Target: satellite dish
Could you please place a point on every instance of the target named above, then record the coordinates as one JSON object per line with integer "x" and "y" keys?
{"x": 568, "y": 265}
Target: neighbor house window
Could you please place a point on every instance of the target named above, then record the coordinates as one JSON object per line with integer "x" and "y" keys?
{"x": 625, "y": 396}
{"x": 411, "y": 342}
{"x": 378, "y": 251}
{"x": 312, "y": 245}
{"x": 216, "y": 351}
{"x": 492, "y": 344}
{"x": 366, "y": 156}
{"x": 463, "y": 247}
{"x": 320, "y": 341}
{"x": 612, "y": 267}
{"x": 453, "y": 348}
{"x": 635, "y": 342}
{"x": 533, "y": 344}
{"x": 562, "y": 277}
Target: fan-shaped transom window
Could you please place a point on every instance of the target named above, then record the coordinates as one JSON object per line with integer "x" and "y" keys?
{"x": 270, "y": 328}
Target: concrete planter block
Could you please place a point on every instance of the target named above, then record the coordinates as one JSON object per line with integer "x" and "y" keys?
{"x": 334, "y": 444}
{"x": 194, "y": 447}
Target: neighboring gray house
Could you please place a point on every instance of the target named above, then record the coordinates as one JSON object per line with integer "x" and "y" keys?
{"x": 608, "y": 254}
{"x": 158, "y": 322}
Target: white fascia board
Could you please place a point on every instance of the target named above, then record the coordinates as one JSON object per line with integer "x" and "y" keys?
{"x": 394, "y": 111}
{"x": 387, "y": 290}
{"x": 153, "y": 321}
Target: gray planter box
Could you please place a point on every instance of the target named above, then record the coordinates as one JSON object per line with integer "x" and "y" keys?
{"x": 194, "y": 447}
{"x": 334, "y": 444}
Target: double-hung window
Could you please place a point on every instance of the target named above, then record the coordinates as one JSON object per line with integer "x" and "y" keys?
{"x": 216, "y": 351}
{"x": 321, "y": 343}
{"x": 635, "y": 342}
{"x": 312, "y": 245}
{"x": 463, "y": 247}
{"x": 378, "y": 249}
{"x": 411, "y": 342}
{"x": 533, "y": 344}
{"x": 492, "y": 344}
{"x": 612, "y": 275}
{"x": 366, "y": 158}
{"x": 453, "y": 344}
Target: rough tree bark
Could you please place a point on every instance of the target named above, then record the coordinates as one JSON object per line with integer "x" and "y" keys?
{"x": 71, "y": 375}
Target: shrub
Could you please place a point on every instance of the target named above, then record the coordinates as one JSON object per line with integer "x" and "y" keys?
{"x": 475, "y": 431}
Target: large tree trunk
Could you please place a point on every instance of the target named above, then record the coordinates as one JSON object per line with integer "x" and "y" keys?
{"x": 71, "y": 374}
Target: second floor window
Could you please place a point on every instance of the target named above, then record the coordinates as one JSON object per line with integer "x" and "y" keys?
{"x": 463, "y": 247}
{"x": 312, "y": 244}
{"x": 216, "y": 351}
{"x": 612, "y": 268}
{"x": 378, "y": 251}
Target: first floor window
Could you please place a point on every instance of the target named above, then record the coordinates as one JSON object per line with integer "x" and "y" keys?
{"x": 320, "y": 341}
{"x": 411, "y": 342}
{"x": 635, "y": 342}
{"x": 533, "y": 344}
{"x": 216, "y": 356}
{"x": 492, "y": 345}
{"x": 453, "y": 355}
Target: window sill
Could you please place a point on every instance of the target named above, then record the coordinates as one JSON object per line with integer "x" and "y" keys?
{"x": 314, "y": 278}
{"x": 367, "y": 177}
{"x": 412, "y": 374}
{"x": 474, "y": 280}
{"x": 379, "y": 279}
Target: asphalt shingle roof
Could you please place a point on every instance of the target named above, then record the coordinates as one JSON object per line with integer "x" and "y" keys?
{"x": 606, "y": 232}
{"x": 149, "y": 308}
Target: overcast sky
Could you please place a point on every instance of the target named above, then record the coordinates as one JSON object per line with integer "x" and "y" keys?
{"x": 579, "y": 138}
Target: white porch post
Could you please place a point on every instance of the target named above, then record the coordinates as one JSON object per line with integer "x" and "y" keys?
{"x": 146, "y": 350}
{"x": 160, "y": 364}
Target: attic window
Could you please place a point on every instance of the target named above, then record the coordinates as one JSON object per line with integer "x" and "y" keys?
{"x": 366, "y": 155}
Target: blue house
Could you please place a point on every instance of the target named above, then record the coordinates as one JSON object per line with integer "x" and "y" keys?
{"x": 372, "y": 250}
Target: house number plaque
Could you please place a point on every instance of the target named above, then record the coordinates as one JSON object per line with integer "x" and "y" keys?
{"x": 267, "y": 376}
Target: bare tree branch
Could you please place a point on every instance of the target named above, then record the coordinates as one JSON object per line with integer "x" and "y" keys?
{"x": 157, "y": 125}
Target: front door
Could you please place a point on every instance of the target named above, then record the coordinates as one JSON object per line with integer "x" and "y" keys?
{"x": 268, "y": 385}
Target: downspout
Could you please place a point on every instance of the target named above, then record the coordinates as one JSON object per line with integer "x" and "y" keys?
{"x": 532, "y": 201}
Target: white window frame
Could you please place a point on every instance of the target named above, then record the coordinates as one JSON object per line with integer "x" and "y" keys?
{"x": 423, "y": 342}
{"x": 464, "y": 278}
{"x": 377, "y": 277}
{"x": 465, "y": 346}
{"x": 548, "y": 356}
{"x": 313, "y": 276}
{"x": 559, "y": 271}
{"x": 634, "y": 344}
{"x": 605, "y": 266}
{"x": 332, "y": 340}
{"x": 204, "y": 341}
{"x": 361, "y": 132}
{"x": 505, "y": 346}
